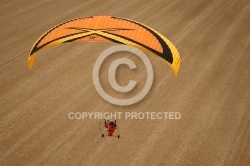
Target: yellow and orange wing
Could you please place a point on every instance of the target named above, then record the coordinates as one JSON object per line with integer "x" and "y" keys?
{"x": 106, "y": 29}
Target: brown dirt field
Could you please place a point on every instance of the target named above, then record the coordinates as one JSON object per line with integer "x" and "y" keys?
{"x": 212, "y": 90}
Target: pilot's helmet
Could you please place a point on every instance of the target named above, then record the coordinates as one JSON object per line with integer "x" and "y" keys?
{"x": 112, "y": 123}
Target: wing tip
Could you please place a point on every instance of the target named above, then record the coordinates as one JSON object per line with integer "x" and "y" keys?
{"x": 176, "y": 68}
{"x": 31, "y": 60}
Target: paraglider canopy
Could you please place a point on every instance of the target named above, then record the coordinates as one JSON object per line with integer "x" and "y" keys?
{"x": 109, "y": 29}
